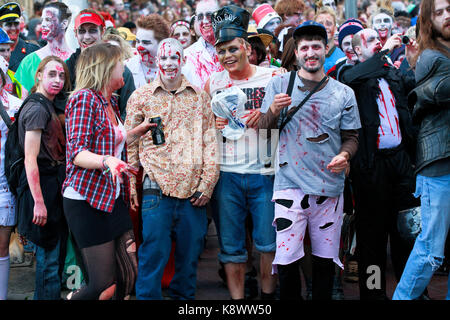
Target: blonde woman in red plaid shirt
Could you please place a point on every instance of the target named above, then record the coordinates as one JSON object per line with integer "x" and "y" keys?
{"x": 96, "y": 187}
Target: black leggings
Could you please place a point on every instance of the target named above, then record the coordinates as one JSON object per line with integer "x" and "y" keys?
{"x": 322, "y": 279}
{"x": 113, "y": 262}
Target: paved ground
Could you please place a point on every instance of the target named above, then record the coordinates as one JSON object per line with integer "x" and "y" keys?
{"x": 210, "y": 286}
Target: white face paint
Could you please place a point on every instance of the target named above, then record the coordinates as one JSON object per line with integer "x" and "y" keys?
{"x": 182, "y": 34}
{"x": 329, "y": 3}
{"x": 170, "y": 60}
{"x": 147, "y": 46}
{"x": 382, "y": 23}
{"x": 272, "y": 24}
{"x": 51, "y": 27}
{"x": 204, "y": 11}
{"x": 348, "y": 49}
{"x": 118, "y": 5}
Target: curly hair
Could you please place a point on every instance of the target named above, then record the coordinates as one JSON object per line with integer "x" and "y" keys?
{"x": 156, "y": 23}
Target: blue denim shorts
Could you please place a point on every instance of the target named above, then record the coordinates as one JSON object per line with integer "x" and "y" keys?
{"x": 235, "y": 196}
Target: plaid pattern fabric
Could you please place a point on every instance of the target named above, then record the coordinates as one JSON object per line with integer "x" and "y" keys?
{"x": 88, "y": 128}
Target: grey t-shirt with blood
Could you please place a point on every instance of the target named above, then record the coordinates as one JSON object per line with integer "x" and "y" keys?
{"x": 313, "y": 136}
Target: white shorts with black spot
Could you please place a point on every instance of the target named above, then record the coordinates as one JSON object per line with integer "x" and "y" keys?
{"x": 295, "y": 211}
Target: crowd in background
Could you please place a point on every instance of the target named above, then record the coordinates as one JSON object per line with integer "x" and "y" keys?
{"x": 140, "y": 59}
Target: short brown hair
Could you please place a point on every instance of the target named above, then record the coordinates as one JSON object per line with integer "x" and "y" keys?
{"x": 156, "y": 23}
{"x": 288, "y": 7}
{"x": 309, "y": 37}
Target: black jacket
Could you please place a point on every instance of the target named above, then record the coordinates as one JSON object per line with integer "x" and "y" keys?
{"x": 363, "y": 79}
{"x": 22, "y": 49}
{"x": 431, "y": 101}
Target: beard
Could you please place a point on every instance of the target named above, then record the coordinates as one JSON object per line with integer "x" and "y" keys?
{"x": 302, "y": 64}
{"x": 444, "y": 33}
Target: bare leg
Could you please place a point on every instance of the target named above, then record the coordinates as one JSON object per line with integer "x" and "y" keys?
{"x": 268, "y": 281}
{"x": 235, "y": 279}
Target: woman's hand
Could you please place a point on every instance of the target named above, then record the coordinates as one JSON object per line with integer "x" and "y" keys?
{"x": 118, "y": 167}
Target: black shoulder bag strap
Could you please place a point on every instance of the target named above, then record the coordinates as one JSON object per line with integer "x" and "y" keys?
{"x": 5, "y": 115}
{"x": 286, "y": 117}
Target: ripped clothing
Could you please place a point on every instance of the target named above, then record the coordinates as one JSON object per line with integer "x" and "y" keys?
{"x": 294, "y": 211}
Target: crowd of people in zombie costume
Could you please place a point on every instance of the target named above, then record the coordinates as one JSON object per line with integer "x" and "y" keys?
{"x": 316, "y": 133}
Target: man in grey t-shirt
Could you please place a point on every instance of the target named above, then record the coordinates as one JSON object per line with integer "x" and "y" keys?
{"x": 314, "y": 151}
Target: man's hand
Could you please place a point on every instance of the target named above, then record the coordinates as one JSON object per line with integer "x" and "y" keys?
{"x": 339, "y": 163}
{"x": 200, "y": 202}
{"x": 395, "y": 41}
{"x": 411, "y": 50}
{"x": 253, "y": 118}
{"x": 221, "y": 123}
{"x": 39, "y": 214}
{"x": 280, "y": 101}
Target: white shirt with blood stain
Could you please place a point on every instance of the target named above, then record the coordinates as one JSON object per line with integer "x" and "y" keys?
{"x": 389, "y": 135}
{"x": 200, "y": 63}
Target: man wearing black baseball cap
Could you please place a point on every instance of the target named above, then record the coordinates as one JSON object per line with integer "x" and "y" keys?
{"x": 318, "y": 120}
{"x": 10, "y": 14}
{"x": 246, "y": 178}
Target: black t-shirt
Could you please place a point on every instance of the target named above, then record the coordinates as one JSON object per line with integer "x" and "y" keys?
{"x": 35, "y": 116}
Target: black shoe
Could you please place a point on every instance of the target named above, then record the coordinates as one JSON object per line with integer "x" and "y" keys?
{"x": 443, "y": 270}
{"x": 251, "y": 285}
{"x": 222, "y": 275}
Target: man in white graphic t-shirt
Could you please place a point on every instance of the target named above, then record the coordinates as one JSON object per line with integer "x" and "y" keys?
{"x": 246, "y": 177}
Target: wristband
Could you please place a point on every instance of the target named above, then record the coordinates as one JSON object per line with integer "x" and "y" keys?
{"x": 104, "y": 166}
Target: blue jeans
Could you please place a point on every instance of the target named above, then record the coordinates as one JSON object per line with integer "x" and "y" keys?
{"x": 236, "y": 195}
{"x": 428, "y": 252}
{"x": 48, "y": 279}
{"x": 165, "y": 219}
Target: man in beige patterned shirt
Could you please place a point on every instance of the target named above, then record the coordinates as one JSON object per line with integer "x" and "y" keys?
{"x": 179, "y": 175}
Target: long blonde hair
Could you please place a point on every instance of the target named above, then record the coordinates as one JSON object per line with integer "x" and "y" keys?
{"x": 95, "y": 66}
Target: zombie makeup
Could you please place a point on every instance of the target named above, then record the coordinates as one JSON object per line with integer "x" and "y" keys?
{"x": 233, "y": 55}
{"x": 51, "y": 80}
{"x": 370, "y": 44}
{"x": 272, "y": 24}
{"x": 310, "y": 55}
{"x": 383, "y": 23}
{"x": 88, "y": 34}
{"x": 5, "y": 51}
{"x": 51, "y": 27}
{"x": 147, "y": 47}
{"x": 204, "y": 12}
{"x": 348, "y": 49}
{"x": 118, "y": 5}
{"x": 12, "y": 28}
{"x": 328, "y": 22}
{"x": 170, "y": 60}
{"x": 182, "y": 34}
{"x": 329, "y": 3}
